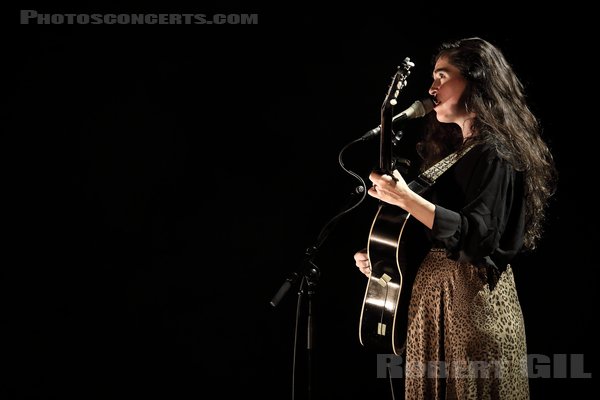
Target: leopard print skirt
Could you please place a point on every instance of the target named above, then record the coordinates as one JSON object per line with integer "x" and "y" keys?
{"x": 464, "y": 341}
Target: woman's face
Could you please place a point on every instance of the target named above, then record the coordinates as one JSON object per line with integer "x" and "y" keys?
{"x": 447, "y": 89}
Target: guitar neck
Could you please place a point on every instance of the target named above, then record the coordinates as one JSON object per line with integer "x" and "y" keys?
{"x": 386, "y": 163}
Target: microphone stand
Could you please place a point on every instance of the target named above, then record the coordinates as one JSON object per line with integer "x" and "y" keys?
{"x": 309, "y": 278}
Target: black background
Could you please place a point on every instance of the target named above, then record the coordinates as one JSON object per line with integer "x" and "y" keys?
{"x": 165, "y": 180}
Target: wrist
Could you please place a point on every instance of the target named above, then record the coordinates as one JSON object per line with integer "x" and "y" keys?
{"x": 408, "y": 200}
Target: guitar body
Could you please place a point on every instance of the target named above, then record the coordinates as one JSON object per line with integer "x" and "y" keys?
{"x": 384, "y": 314}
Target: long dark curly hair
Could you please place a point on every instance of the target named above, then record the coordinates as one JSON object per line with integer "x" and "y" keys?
{"x": 503, "y": 119}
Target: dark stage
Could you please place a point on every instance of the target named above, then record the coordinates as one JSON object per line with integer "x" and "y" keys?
{"x": 165, "y": 180}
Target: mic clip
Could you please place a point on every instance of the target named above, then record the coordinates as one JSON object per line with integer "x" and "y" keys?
{"x": 397, "y": 137}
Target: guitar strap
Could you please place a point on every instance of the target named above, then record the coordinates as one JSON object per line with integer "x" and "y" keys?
{"x": 427, "y": 178}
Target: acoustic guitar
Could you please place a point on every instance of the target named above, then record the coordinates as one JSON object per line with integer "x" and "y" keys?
{"x": 385, "y": 306}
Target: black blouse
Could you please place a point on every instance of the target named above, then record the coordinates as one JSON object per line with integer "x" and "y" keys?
{"x": 479, "y": 209}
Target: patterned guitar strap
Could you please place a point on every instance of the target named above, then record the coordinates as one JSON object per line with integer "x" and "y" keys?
{"x": 427, "y": 178}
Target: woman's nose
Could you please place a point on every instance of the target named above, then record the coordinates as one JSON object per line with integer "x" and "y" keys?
{"x": 434, "y": 87}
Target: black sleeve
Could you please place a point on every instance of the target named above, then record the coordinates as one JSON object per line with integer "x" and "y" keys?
{"x": 474, "y": 232}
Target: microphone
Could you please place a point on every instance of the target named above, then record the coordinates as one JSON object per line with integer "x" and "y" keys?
{"x": 418, "y": 109}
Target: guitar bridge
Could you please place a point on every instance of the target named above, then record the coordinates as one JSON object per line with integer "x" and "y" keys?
{"x": 383, "y": 281}
{"x": 381, "y": 329}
